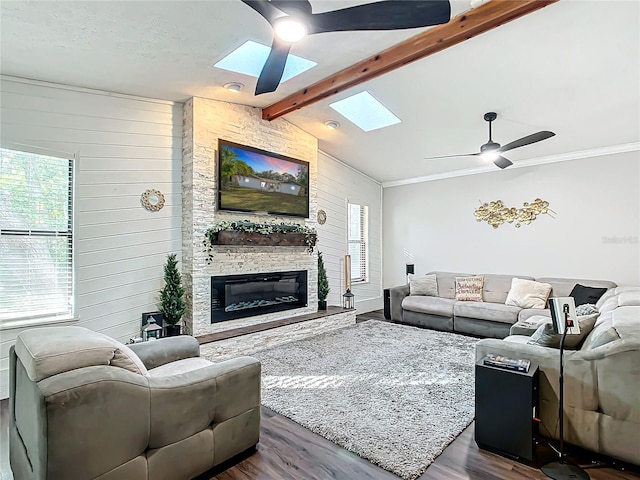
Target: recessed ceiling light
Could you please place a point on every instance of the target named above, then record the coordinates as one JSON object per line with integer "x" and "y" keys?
{"x": 233, "y": 86}
{"x": 250, "y": 57}
{"x": 365, "y": 111}
{"x": 332, "y": 124}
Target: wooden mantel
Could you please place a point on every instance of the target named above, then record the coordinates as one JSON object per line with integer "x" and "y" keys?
{"x": 463, "y": 27}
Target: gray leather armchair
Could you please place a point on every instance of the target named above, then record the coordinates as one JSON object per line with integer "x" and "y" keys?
{"x": 84, "y": 406}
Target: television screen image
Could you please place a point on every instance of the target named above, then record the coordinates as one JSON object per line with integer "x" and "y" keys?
{"x": 257, "y": 181}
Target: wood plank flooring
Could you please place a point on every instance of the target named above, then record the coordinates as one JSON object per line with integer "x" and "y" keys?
{"x": 288, "y": 451}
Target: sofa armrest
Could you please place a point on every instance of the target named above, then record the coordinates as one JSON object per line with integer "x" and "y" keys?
{"x": 397, "y": 294}
{"x": 159, "y": 352}
{"x": 187, "y": 403}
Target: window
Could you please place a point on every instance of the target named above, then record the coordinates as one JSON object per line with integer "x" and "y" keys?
{"x": 357, "y": 225}
{"x": 36, "y": 236}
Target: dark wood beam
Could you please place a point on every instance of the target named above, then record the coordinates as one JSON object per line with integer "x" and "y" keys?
{"x": 463, "y": 27}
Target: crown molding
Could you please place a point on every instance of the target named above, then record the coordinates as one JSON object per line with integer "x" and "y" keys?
{"x": 563, "y": 157}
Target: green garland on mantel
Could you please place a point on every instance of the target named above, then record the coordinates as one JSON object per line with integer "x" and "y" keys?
{"x": 211, "y": 235}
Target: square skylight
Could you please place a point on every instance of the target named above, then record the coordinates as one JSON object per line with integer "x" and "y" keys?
{"x": 249, "y": 58}
{"x": 365, "y": 111}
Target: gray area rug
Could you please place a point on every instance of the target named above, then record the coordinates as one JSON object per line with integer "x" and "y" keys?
{"x": 393, "y": 394}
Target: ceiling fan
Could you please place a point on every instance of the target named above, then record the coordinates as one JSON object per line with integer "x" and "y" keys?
{"x": 492, "y": 151}
{"x": 293, "y": 19}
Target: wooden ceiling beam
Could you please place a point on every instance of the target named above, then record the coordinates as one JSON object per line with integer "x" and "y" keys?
{"x": 463, "y": 27}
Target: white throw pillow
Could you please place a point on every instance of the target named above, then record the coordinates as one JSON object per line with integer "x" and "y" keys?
{"x": 424, "y": 285}
{"x": 528, "y": 294}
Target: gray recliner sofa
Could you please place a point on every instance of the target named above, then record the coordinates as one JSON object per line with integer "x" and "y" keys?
{"x": 601, "y": 379}
{"x": 489, "y": 318}
{"x": 84, "y": 406}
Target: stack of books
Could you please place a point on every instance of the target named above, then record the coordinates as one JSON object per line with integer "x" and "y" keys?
{"x": 517, "y": 364}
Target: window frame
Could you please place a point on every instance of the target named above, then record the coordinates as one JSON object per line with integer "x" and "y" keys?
{"x": 363, "y": 242}
{"x": 70, "y": 233}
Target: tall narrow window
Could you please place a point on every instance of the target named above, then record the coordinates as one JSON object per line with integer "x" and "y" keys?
{"x": 358, "y": 248}
{"x": 36, "y": 236}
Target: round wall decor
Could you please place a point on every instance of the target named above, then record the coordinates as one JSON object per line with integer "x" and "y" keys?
{"x": 152, "y": 200}
{"x": 322, "y": 217}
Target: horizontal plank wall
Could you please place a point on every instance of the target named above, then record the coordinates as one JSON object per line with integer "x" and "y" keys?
{"x": 125, "y": 146}
{"x": 338, "y": 185}
{"x": 594, "y": 234}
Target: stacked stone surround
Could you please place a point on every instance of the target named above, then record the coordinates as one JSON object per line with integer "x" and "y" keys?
{"x": 206, "y": 121}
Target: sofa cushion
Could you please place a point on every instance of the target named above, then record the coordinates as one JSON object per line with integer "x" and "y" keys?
{"x": 48, "y": 351}
{"x": 495, "y": 312}
{"x": 527, "y": 313}
{"x": 600, "y": 337}
{"x": 546, "y": 337}
{"x": 561, "y": 287}
{"x": 432, "y": 305}
{"x": 180, "y": 366}
{"x": 528, "y": 293}
{"x": 583, "y": 294}
{"x": 469, "y": 289}
{"x": 447, "y": 283}
{"x": 496, "y": 287}
{"x": 423, "y": 285}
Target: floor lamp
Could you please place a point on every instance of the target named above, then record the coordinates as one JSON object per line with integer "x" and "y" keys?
{"x": 563, "y": 313}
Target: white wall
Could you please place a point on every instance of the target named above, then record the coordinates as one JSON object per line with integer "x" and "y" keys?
{"x": 125, "y": 145}
{"x": 594, "y": 235}
{"x": 338, "y": 185}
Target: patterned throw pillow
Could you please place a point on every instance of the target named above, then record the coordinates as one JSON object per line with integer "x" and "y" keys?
{"x": 424, "y": 285}
{"x": 469, "y": 289}
{"x": 528, "y": 294}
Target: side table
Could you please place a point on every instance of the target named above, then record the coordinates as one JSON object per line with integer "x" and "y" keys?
{"x": 506, "y": 411}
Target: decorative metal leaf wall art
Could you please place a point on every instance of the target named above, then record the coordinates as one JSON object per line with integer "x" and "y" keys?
{"x": 496, "y": 213}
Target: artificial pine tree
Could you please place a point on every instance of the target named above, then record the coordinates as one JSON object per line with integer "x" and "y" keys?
{"x": 323, "y": 284}
{"x": 172, "y": 303}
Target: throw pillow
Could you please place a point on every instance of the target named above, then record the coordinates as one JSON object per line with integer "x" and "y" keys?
{"x": 582, "y": 294}
{"x": 469, "y": 289}
{"x": 603, "y": 337}
{"x": 546, "y": 337}
{"x": 424, "y": 285}
{"x": 586, "y": 309}
{"x": 528, "y": 294}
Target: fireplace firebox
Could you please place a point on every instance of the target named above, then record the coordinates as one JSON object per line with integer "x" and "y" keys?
{"x": 239, "y": 296}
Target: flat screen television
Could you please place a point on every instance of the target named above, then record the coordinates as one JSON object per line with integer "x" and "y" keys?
{"x": 256, "y": 181}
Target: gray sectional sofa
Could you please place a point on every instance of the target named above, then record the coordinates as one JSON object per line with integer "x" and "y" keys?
{"x": 601, "y": 379}
{"x": 489, "y": 318}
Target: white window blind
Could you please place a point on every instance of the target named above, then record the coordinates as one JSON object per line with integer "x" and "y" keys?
{"x": 358, "y": 248}
{"x": 36, "y": 236}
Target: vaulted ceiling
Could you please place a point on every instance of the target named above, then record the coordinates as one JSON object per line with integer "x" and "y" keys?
{"x": 572, "y": 67}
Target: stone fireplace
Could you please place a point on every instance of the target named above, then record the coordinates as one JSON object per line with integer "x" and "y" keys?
{"x": 206, "y": 121}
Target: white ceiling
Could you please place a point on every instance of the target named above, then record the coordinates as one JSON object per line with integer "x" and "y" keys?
{"x": 572, "y": 67}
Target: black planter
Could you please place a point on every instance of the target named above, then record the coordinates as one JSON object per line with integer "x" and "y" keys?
{"x": 172, "y": 330}
{"x": 322, "y": 304}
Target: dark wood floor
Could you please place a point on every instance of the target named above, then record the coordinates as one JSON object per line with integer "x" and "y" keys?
{"x": 288, "y": 451}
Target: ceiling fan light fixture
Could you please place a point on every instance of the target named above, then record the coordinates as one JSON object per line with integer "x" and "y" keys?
{"x": 290, "y": 29}
{"x": 234, "y": 87}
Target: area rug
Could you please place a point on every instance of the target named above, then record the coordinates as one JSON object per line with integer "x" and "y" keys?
{"x": 393, "y": 394}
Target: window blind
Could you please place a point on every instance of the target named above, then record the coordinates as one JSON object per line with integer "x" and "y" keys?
{"x": 357, "y": 234}
{"x": 36, "y": 236}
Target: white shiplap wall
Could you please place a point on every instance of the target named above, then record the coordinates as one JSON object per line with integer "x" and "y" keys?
{"x": 338, "y": 185}
{"x": 125, "y": 145}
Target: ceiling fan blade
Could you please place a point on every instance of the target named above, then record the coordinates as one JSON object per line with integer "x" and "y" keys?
{"x": 502, "y": 162}
{"x": 452, "y": 156}
{"x": 273, "y": 68}
{"x": 264, "y": 8}
{"x": 529, "y": 139}
{"x": 295, "y": 8}
{"x": 384, "y": 15}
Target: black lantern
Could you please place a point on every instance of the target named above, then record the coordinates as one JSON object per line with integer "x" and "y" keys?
{"x": 347, "y": 300}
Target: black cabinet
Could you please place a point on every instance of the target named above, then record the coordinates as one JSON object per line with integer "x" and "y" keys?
{"x": 387, "y": 303}
{"x": 506, "y": 411}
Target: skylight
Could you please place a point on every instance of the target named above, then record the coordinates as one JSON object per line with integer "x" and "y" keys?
{"x": 250, "y": 57}
{"x": 365, "y": 111}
